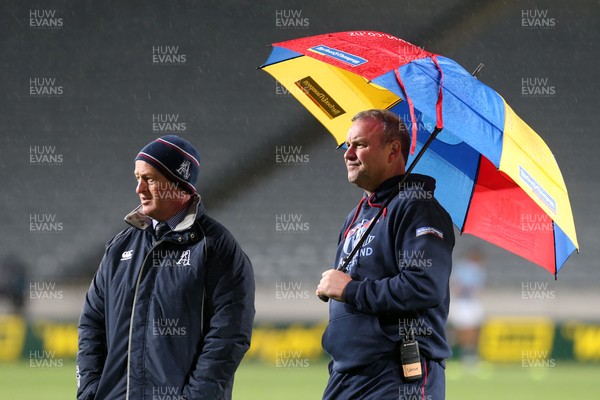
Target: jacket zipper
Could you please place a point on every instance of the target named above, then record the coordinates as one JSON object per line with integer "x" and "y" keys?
{"x": 135, "y": 294}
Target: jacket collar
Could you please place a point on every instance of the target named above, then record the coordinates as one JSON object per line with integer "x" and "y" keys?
{"x": 138, "y": 220}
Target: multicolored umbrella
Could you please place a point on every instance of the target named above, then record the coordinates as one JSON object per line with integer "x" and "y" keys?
{"x": 495, "y": 176}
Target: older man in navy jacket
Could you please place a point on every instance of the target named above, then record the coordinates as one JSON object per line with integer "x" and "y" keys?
{"x": 397, "y": 283}
{"x": 169, "y": 313}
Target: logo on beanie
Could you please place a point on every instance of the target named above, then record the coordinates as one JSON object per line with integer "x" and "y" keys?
{"x": 184, "y": 169}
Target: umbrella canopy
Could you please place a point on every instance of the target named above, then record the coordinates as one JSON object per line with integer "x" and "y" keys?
{"x": 495, "y": 176}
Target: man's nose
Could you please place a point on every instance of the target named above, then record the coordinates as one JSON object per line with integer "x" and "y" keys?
{"x": 349, "y": 154}
{"x": 141, "y": 186}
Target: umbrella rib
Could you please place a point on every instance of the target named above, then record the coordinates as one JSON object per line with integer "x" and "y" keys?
{"x": 280, "y": 61}
{"x": 472, "y": 193}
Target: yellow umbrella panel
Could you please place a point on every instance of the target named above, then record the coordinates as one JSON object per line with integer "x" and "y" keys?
{"x": 331, "y": 94}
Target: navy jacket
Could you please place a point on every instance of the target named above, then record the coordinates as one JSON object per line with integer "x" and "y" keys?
{"x": 400, "y": 277}
{"x": 166, "y": 319}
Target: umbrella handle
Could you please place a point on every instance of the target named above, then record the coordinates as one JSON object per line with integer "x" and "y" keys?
{"x": 342, "y": 268}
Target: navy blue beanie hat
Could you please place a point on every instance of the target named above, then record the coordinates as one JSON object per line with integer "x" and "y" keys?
{"x": 175, "y": 158}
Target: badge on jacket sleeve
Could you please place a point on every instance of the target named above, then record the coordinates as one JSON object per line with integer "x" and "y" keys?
{"x": 429, "y": 230}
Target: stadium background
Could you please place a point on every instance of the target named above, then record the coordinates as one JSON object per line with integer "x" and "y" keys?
{"x": 67, "y": 157}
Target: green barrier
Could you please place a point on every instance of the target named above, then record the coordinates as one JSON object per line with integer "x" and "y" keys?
{"x": 585, "y": 340}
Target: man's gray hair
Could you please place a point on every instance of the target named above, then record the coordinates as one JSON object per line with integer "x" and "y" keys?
{"x": 393, "y": 127}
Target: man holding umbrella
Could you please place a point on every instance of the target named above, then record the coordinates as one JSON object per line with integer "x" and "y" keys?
{"x": 386, "y": 332}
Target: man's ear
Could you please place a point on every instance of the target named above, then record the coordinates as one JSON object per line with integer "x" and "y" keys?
{"x": 396, "y": 150}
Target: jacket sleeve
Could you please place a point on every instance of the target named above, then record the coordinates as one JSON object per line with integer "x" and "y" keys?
{"x": 230, "y": 315}
{"x": 92, "y": 338}
{"x": 424, "y": 239}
